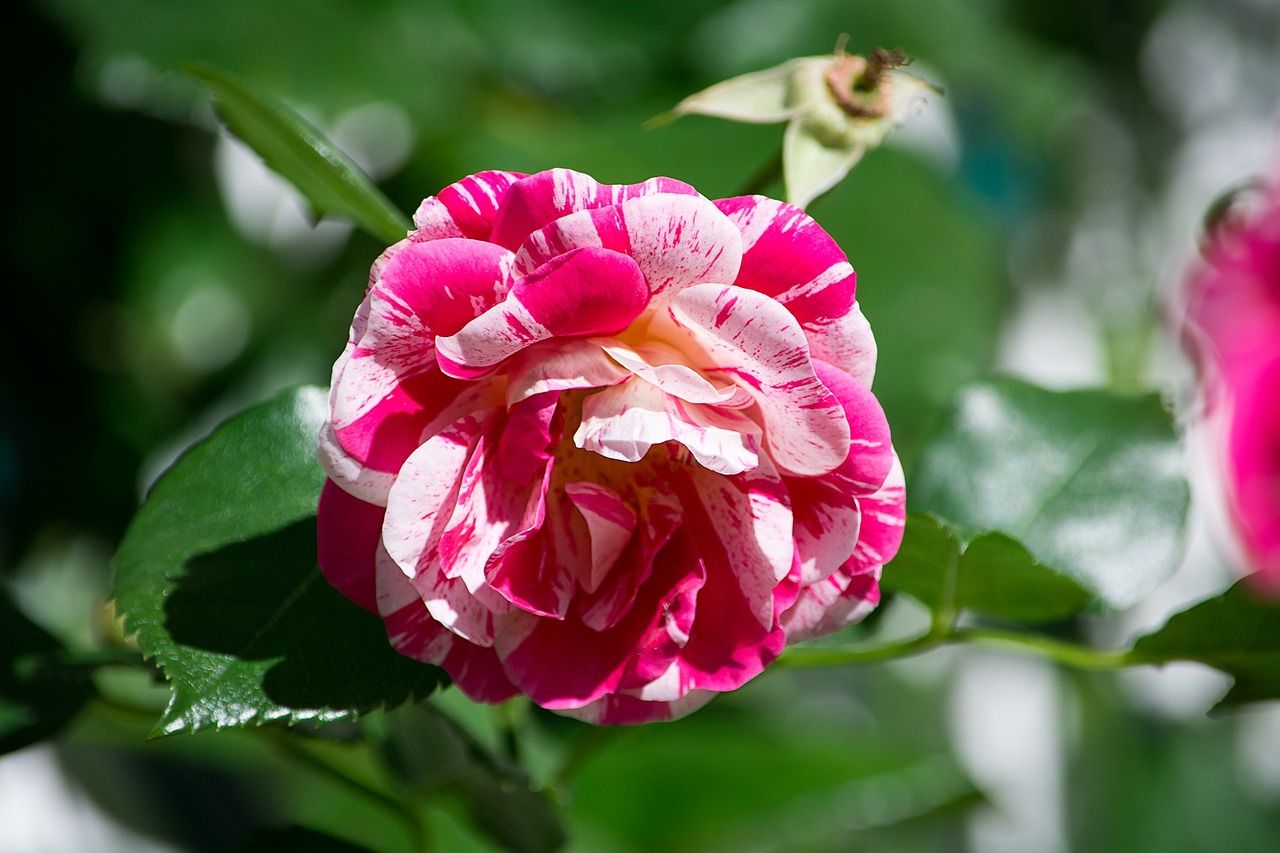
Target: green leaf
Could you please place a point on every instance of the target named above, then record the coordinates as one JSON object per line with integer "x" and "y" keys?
{"x": 1236, "y": 632}
{"x": 1090, "y": 482}
{"x": 300, "y": 154}
{"x": 35, "y": 700}
{"x": 993, "y": 575}
{"x": 217, "y": 575}
{"x": 437, "y": 756}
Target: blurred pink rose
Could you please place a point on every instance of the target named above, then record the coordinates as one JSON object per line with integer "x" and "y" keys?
{"x": 610, "y": 447}
{"x": 1234, "y": 326}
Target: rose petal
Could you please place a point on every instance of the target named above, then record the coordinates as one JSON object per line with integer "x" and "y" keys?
{"x": 677, "y": 240}
{"x": 464, "y": 209}
{"x": 884, "y": 517}
{"x": 787, "y": 255}
{"x": 561, "y": 365}
{"x": 623, "y": 422}
{"x": 657, "y": 363}
{"x": 747, "y": 337}
{"x": 545, "y": 197}
{"x": 871, "y": 455}
{"x": 375, "y": 436}
{"x": 476, "y": 670}
{"x": 584, "y": 292}
{"x": 418, "y": 514}
{"x": 660, "y": 517}
{"x": 439, "y": 286}
{"x": 610, "y": 524}
{"x": 347, "y": 534}
{"x": 621, "y": 709}
{"x": 750, "y": 515}
{"x": 565, "y": 664}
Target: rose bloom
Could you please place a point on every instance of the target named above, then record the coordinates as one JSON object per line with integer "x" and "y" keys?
{"x": 611, "y": 447}
{"x": 1233, "y": 324}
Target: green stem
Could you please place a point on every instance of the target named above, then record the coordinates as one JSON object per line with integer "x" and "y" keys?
{"x": 1069, "y": 654}
{"x": 842, "y": 656}
{"x": 401, "y": 811}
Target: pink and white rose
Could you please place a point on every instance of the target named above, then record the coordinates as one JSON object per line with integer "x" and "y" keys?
{"x": 611, "y": 447}
{"x": 1233, "y": 324}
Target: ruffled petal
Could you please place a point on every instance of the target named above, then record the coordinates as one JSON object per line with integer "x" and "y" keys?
{"x": 439, "y": 287}
{"x": 476, "y": 670}
{"x": 611, "y": 522}
{"x": 565, "y": 664}
{"x": 625, "y": 421}
{"x": 884, "y": 517}
{"x": 418, "y": 512}
{"x": 560, "y": 366}
{"x": 465, "y": 209}
{"x": 677, "y": 240}
{"x": 750, "y": 516}
{"x": 545, "y": 197}
{"x": 871, "y": 455}
{"x": 584, "y": 292}
{"x": 659, "y": 365}
{"x": 746, "y": 336}
{"x": 373, "y": 437}
{"x": 660, "y": 516}
{"x": 852, "y": 591}
{"x": 790, "y": 257}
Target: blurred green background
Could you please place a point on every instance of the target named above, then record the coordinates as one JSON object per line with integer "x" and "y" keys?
{"x": 1031, "y": 221}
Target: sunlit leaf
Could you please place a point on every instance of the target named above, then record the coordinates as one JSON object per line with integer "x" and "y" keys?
{"x": 1235, "y": 632}
{"x": 1090, "y": 482}
{"x": 300, "y": 154}
{"x": 217, "y": 575}
{"x": 992, "y": 574}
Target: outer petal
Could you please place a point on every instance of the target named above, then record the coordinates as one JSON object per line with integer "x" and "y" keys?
{"x": 1254, "y": 465}
{"x": 439, "y": 285}
{"x": 788, "y": 256}
{"x": 884, "y": 516}
{"x": 348, "y": 531}
{"x": 621, "y": 709}
{"x": 583, "y": 292}
{"x": 871, "y": 455}
{"x": 849, "y": 593}
{"x": 371, "y": 440}
{"x": 565, "y": 664}
{"x": 750, "y": 516}
{"x": 464, "y": 209}
{"x": 474, "y": 669}
{"x": 677, "y": 240}
{"x": 545, "y": 197}
{"x": 418, "y": 511}
{"x": 754, "y": 340}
